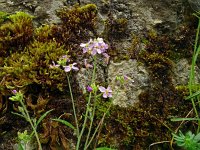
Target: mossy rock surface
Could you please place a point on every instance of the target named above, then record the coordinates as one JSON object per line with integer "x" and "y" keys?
{"x": 27, "y": 53}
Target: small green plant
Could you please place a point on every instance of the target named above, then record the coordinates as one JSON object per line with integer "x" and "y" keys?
{"x": 24, "y": 137}
{"x": 189, "y": 141}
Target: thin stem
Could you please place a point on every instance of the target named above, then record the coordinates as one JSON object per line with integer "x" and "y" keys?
{"x": 192, "y": 72}
{"x": 30, "y": 121}
{"x": 91, "y": 122}
{"x": 88, "y": 107}
{"x": 99, "y": 126}
{"x": 73, "y": 105}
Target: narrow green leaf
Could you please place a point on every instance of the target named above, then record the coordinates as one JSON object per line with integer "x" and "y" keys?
{"x": 20, "y": 147}
{"x": 19, "y": 115}
{"x": 185, "y": 119}
{"x": 42, "y": 117}
{"x": 193, "y": 95}
{"x": 65, "y": 123}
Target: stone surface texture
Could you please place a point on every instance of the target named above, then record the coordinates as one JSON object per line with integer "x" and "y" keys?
{"x": 137, "y": 81}
{"x": 181, "y": 72}
{"x": 142, "y": 15}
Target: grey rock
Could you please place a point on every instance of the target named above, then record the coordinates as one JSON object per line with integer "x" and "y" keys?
{"x": 181, "y": 72}
{"x": 84, "y": 77}
{"x": 138, "y": 80}
{"x": 195, "y": 4}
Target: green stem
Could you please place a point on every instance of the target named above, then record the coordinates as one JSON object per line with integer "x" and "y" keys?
{"x": 30, "y": 121}
{"x": 192, "y": 72}
{"x": 91, "y": 122}
{"x": 73, "y": 105}
{"x": 87, "y": 109}
{"x": 98, "y": 128}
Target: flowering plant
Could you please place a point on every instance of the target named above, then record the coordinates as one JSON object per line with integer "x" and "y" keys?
{"x": 93, "y": 48}
{"x": 24, "y": 137}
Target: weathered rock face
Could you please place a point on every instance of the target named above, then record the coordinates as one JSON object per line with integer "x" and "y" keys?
{"x": 181, "y": 72}
{"x": 163, "y": 16}
{"x": 137, "y": 80}
{"x": 140, "y": 13}
{"x": 195, "y": 4}
{"x": 138, "y": 16}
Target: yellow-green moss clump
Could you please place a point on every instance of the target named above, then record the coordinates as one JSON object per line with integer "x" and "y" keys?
{"x": 77, "y": 22}
{"x": 15, "y": 32}
{"x": 32, "y": 66}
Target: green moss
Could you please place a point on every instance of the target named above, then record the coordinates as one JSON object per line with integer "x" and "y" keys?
{"x": 43, "y": 33}
{"x": 15, "y": 33}
{"x": 33, "y": 65}
{"x": 115, "y": 29}
{"x": 3, "y": 16}
{"x": 78, "y": 18}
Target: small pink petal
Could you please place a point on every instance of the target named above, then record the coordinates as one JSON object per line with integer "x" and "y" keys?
{"x": 105, "y": 95}
{"x": 89, "y": 88}
{"x": 109, "y": 94}
{"x": 83, "y": 45}
{"x": 67, "y": 68}
{"x": 94, "y": 52}
{"x": 102, "y": 89}
{"x": 109, "y": 89}
{"x": 75, "y": 68}
{"x": 98, "y": 51}
{"x": 14, "y": 91}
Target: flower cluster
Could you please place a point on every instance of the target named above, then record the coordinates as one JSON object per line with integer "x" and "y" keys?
{"x": 93, "y": 47}
{"x": 62, "y": 62}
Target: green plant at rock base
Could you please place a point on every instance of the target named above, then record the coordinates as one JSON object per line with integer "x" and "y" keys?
{"x": 189, "y": 141}
{"x": 24, "y": 137}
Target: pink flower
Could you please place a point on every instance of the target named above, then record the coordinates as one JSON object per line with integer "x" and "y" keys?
{"x": 94, "y": 46}
{"x": 106, "y": 92}
{"x": 70, "y": 67}
{"x": 107, "y": 57}
{"x": 54, "y": 65}
{"x": 14, "y": 92}
{"x": 89, "y": 88}
{"x": 87, "y": 47}
{"x": 87, "y": 65}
